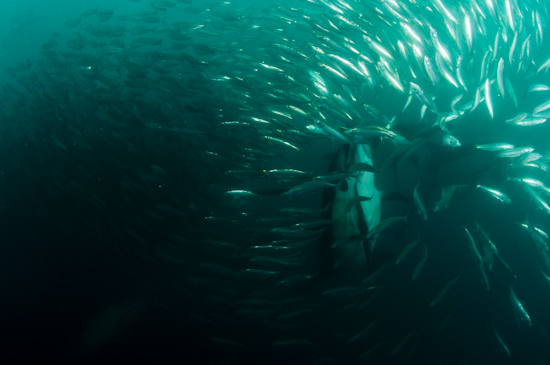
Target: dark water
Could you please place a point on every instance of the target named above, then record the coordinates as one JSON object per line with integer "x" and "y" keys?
{"x": 119, "y": 243}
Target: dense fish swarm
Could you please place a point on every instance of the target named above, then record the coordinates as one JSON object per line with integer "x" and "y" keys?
{"x": 199, "y": 137}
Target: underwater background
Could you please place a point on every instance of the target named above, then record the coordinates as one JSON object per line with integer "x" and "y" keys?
{"x": 169, "y": 172}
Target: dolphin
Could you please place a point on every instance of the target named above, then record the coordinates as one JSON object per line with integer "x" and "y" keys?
{"x": 345, "y": 247}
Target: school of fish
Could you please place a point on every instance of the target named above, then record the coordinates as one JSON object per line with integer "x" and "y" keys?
{"x": 441, "y": 106}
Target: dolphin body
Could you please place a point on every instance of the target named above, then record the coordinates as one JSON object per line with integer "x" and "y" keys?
{"x": 345, "y": 249}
